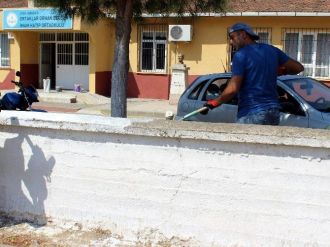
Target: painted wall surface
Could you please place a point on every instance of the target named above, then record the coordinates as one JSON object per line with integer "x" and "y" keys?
{"x": 208, "y": 49}
{"x": 29, "y": 45}
{"x": 101, "y": 44}
{"x": 141, "y": 85}
{"x": 8, "y": 74}
{"x": 24, "y": 57}
{"x": 206, "y": 184}
{"x": 29, "y": 56}
{"x": 25, "y": 53}
{"x": 209, "y": 45}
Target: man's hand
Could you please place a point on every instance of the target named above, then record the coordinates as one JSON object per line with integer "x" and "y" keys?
{"x": 230, "y": 91}
{"x": 210, "y": 104}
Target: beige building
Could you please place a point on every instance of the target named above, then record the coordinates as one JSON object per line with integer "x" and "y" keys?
{"x": 80, "y": 53}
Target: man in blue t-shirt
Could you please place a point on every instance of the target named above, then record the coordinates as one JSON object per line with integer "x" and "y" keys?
{"x": 255, "y": 67}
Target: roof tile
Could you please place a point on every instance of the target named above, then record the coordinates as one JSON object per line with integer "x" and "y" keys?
{"x": 13, "y": 3}
{"x": 279, "y": 5}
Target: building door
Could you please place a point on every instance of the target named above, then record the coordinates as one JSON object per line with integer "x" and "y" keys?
{"x": 71, "y": 59}
{"x": 47, "y": 63}
{"x": 65, "y": 69}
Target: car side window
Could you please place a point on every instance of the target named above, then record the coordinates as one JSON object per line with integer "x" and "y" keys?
{"x": 212, "y": 91}
{"x": 197, "y": 90}
{"x": 216, "y": 88}
{"x": 288, "y": 103}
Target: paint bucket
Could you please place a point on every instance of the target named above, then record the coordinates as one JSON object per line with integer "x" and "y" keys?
{"x": 77, "y": 88}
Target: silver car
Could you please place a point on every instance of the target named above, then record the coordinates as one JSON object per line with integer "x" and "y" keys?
{"x": 305, "y": 102}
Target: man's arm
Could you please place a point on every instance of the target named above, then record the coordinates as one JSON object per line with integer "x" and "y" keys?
{"x": 292, "y": 67}
{"x": 230, "y": 91}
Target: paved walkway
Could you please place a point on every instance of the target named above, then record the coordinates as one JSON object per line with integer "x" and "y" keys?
{"x": 135, "y": 108}
{"x": 87, "y": 103}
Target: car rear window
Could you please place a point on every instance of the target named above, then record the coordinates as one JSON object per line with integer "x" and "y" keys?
{"x": 313, "y": 92}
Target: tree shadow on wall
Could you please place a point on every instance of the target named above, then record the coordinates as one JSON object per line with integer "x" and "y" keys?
{"x": 23, "y": 185}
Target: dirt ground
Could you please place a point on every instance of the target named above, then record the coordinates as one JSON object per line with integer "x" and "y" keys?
{"x": 70, "y": 234}
{"x": 25, "y": 234}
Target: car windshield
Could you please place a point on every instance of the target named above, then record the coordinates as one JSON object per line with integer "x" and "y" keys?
{"x": 313, "y": 92}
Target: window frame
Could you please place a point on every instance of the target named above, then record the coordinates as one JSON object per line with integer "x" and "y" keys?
{"x": 80, "y": 46}
{"x": 266, "y": 31}
{"x": 7, "y": 65}
{"x": 313, "y": 66}
{"x": 154, "y": 29}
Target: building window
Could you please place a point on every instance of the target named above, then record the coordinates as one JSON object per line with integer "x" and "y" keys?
{"x": 72, "y": 48}
{"x": 152, "y": 50}
{"x": 311, "y": 47}
{"x": 81, "y": 48}
{"x": 4, "y": 50}
{"x": 265, "y": 34}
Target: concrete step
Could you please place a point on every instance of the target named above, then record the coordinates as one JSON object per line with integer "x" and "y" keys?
{"x": 57, "y": 97}
{"x": 68, "y": 96}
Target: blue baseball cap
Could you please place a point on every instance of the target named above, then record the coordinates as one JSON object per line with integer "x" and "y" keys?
{"x": 244, "y": 27}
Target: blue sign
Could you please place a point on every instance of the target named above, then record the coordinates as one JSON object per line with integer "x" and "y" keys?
{"x": 34, "y": 19}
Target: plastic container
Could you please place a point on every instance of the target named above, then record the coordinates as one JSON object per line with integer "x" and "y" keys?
{"x": 46, "y": 83}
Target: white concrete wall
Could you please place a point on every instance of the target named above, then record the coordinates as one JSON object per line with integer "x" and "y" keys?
{"x": 208, "y": 184}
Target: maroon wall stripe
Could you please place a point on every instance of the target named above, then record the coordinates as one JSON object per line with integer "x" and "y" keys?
{"x": 6, "y": 83}
{"x": 103, "y": 83}
{"x": 30, "y": 74}
{"x": 148, "y": 86}
{"x": 151, "y": 86}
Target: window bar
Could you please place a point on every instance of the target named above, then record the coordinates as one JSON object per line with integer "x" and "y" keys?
{"x": 310, "y": 46}
{"x": 4, "y": 50}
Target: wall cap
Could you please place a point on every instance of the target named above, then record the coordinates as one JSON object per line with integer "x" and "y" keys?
{"x": 256, "y": 134}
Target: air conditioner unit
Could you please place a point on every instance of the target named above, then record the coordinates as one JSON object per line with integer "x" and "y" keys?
{"x": 180, "y": 32}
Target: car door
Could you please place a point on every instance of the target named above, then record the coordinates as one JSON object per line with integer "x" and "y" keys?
{"x": 187, "y": 101}
{"x": 293, "y": 110}
{"x": 225, "y": 113}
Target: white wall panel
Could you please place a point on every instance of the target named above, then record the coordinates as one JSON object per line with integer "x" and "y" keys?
{"x": 219, "y": 184}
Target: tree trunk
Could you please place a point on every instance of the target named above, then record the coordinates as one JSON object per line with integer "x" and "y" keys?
{"x": 120, "y": 67}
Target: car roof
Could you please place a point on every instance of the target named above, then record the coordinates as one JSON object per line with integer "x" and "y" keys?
{"x": 211, "y": 76}
{"x": 229, "y": 74}
{"x": 289, "y": 77}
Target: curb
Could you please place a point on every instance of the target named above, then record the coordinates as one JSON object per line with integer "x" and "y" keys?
{"x": 130, "y": 114}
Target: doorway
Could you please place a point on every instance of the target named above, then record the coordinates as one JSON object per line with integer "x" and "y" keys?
{"x": 47, "y": 63}
{"x": 65, "y": 59}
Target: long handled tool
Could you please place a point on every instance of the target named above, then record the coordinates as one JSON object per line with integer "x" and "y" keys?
{"x": 193, "y": 113}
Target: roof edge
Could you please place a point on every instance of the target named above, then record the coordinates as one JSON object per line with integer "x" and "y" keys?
{"x": 274, "y": 13}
